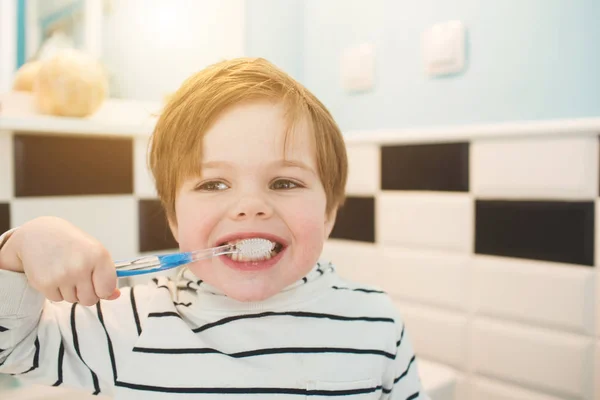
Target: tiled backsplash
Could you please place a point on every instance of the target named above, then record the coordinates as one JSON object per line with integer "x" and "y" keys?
{"x": 490, "y": 249}
{"x": 489, "y": 246}
{"x": 100, "y": 183}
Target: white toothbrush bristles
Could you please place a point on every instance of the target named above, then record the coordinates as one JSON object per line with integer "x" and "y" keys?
{"x": 255, "y": 247}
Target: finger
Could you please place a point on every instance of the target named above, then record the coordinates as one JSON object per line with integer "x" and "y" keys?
{"x": 86, "y": 295}
{"x": 53, "y": 295}
{"x": 115, "y": 295}
{"x": 104, "y": 277}
{"x": 68, "y": 293}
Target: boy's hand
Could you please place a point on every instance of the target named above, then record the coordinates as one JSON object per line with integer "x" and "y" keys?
{"x": 61, "y": 261}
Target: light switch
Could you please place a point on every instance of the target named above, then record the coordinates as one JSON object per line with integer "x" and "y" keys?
{"x": 444, "y": 48}
{"x": 358, "y": 68}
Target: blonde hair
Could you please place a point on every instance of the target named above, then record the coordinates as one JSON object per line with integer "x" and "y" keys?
{"x": 176, "y": 143}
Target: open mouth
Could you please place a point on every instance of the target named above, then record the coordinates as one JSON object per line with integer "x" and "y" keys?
{"x": 275, "y": 249}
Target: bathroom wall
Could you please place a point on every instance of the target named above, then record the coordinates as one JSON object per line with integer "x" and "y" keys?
{"x": 527, "y": 60}
{"x": 275, "y": 31}
{"x": 91, "y": 172}
{"x": 147, "y": 48}
{"x": 150, "y": 49}
{"x": 489, "y": 244}
{"x": 91, "y": 181}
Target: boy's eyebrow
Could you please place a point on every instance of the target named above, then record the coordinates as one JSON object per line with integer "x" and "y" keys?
{"x": 296, "y": 164}
{"x": 281, "y": 163}
{"x": 215, "y": 164}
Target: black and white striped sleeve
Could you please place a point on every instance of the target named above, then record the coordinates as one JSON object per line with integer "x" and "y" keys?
{"x": 402, "y": 381}
{"x": 66, "y": 344}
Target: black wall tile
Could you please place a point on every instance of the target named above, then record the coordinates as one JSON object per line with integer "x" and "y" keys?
{"x": 439, "y": 167}
{"x": 356, "y": 220}
{"x": 4, "y": 217}
{"x": 539, "y": 230}
{"x": 47, "y": 165}
{"x": 154, "y": 231}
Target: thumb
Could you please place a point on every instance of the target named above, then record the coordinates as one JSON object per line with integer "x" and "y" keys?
{"x": 104, "y": 278}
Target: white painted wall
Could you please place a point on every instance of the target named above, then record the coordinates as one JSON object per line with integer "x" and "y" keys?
{"x": 8, "y": 43}
{"x": 150, "y": 47}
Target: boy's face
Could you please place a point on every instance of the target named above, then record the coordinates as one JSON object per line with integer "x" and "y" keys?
{"x": 248, "y": 189}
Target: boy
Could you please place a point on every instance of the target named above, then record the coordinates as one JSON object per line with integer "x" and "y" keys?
{"x": 241, "y": 151}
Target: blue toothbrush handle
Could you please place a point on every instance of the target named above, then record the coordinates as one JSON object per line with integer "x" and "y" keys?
{"x": 151, "y": 264}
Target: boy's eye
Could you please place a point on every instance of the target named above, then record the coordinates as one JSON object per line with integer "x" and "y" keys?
{"x": 212, "y": 186}
{"x": 284, "y": 184}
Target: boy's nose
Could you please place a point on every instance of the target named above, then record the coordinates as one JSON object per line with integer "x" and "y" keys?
{"x": 251, "y": 207}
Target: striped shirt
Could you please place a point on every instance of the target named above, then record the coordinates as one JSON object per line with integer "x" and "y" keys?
{"x": 322, "y": 337}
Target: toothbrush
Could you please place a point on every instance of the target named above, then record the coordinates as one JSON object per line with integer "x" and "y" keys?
{"x": 251, "y": 248}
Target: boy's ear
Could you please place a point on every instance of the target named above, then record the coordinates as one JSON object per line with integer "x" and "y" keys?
{"x": 330, "y": 222}
{"x": 173, "y": 227}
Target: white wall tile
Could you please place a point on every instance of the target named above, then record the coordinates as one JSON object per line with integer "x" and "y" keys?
{"x": 364, "y": 177}
{"x": 557, "y": 295}
{"x": 597, "y": 372}
{"x": 436, "y": 335}
{"x": 541, "y": 168}
{"x": 110, "y": 219}
{"x": 6, "y": 166}
{"x": 556, "y": 363}
{"x": 487, "y": 389}
{"x": 442, "y": 221}
{"x": 405, "y": 274}
{"x": 436, "y": 278}
{"x": 355, "y": 261}
{"x": 143, "y": 182}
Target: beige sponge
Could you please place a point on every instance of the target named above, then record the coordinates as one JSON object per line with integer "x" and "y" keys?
{"x": 70, "y": 84}
{"x": 26, "y": 75}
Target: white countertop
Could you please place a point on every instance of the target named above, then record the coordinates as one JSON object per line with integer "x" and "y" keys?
{"x": 439, "y": 381}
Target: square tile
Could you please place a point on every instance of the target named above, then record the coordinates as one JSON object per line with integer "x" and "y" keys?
{"x": 355, "y": 220}
{"x": 597, "y": 372}
{"x": 551, "y": 294}
{"x": 436, "y": 335}
{"x": 490, "y": 389}
{"x": 407, "y": 275}
{"x": 536, "y": 168}
{"x": 356, "y": 261}
{"x": 6, "y": 166}
{"x": 153, "y": 228}
{"x": 110, "y": 219}
{"x": 435, "y": 166}
{"x": 597, "y": 263}
{"x": 70, "y": 165}
{"x": 5, "y": 224}
{"x": 363, "y": 169}
{"x": 143, "y": 181}
{"x": 529, "y": 357}
{"x": 538, "y": 230}
{"x": 434, "y": 221}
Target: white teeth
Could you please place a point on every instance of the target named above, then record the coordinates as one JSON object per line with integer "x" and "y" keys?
{"x": 253, "y": 249}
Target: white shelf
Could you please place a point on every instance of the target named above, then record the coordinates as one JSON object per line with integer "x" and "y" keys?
{"x": 47, "y": 124}
{"x": 135, "y": 118}
{"x": 115, "y": 118}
